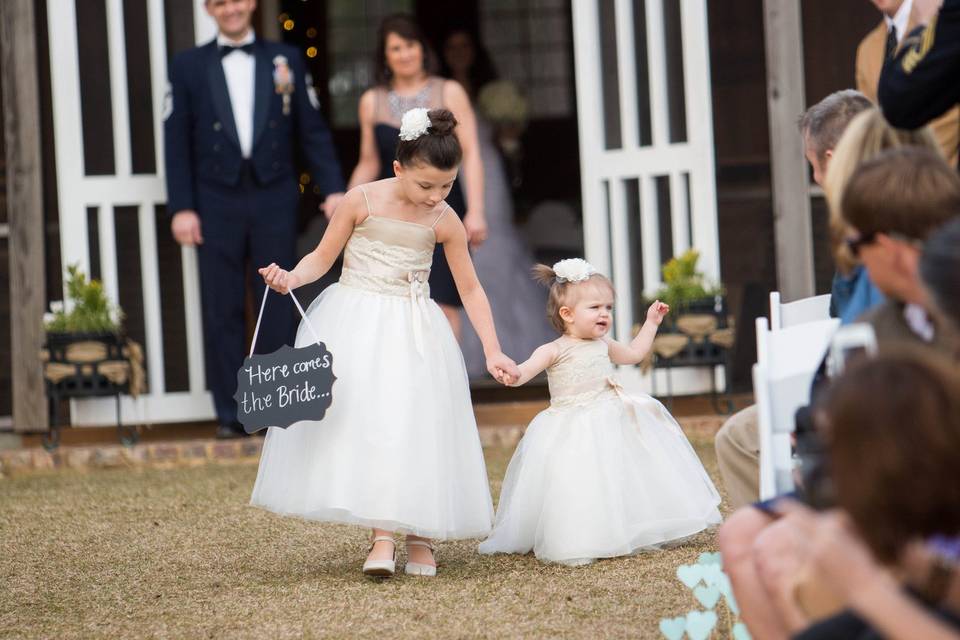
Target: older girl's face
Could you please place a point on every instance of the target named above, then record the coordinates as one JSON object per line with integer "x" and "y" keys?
{"x": 424, "y": 185}
{"x": 404, "y": 57}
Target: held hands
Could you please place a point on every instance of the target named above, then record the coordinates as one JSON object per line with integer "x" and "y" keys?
{"x": 503, "y": 369}
{"x": 475, "y": 222}
{"x": 657, "y": 312}
{"x": 185, "y": 226}
{"x": 838, "y": 554}
{"x": 280, "y": 280}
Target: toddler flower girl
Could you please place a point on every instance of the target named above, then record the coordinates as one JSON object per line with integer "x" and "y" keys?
{"x": 600, "y": 473}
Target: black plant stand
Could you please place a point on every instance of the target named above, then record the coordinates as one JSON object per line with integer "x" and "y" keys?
{"x": 86, "y": 381}
{"x": 700, "y": 352}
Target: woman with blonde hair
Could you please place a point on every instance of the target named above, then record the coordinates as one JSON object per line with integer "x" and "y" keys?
{"x": 865, "y": 137}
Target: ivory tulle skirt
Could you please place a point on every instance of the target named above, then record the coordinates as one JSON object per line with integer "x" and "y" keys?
{"x": 398, "y": 449}
{"x": 610, "y": 478}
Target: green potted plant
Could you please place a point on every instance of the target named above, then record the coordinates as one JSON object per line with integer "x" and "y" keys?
{"x": 86, "y": 314}
{"x": 86, "y": 353}
{"x": 686, "y": 289}
{"x": 697, "y": 333}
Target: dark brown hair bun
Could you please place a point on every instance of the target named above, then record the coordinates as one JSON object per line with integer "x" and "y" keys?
{"x": 438, "y": 147}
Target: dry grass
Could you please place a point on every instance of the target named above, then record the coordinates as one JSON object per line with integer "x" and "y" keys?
{"x": 179, "y": 554}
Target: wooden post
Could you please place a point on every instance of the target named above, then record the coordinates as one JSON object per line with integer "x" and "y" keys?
{"x": 786, "y": 103}
{"x": 270, "y": 29}
{"x": 21, "y": 105}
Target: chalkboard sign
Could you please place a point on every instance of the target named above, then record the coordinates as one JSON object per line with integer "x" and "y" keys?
{"x": 280, "y": 388}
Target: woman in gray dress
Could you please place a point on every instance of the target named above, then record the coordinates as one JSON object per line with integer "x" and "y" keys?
{"x": 504, "y": 261}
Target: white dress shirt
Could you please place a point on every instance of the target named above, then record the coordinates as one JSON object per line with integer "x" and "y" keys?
{"x": 900, "y": 20}
{"x": 238, "y": 68}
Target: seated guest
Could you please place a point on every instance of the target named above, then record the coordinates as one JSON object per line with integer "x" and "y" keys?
{"x": 737, "y": 442}
{"x": 891, "y": 204}
{"x": 868, "y": 135}
{"x": 940, "y": 273}
{"x": 895, "y": 507}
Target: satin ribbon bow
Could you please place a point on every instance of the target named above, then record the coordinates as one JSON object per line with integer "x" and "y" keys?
{"x": 418, "y": 303}
{"x": 631, "y": 406}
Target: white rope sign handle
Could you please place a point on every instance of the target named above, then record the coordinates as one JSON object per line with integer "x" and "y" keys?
{"x": 263, "y": 304}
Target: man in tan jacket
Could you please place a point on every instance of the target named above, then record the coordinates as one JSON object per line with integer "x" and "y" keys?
{"x": 882, "y": 43}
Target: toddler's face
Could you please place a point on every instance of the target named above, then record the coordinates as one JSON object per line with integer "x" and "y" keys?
{"x": 592, "y": 313}
{"x": 424, "y": 185}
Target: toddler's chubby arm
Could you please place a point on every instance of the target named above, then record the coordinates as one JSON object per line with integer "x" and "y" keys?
{"x": 639, "y": 347}
{"x": 349, "y": 213}
{"x": 542, "y": 357}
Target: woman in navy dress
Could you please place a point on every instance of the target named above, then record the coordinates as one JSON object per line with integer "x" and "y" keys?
{"x": 405, "y": 75}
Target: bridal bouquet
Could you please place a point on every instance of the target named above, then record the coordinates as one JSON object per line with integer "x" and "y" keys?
{"x": 502, "y": 104}
{"x": 507, "y": 109}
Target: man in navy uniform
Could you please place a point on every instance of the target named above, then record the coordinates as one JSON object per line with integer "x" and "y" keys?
{"x": 237, "y": 108}
{"x": 923, "y": 81}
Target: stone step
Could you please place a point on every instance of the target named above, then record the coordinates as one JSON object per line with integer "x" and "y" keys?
{"x": 503, "y": 428}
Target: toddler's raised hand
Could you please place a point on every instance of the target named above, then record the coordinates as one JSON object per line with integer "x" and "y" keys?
{"x": 278, "y": 279}
{"x": 657, "y": 311}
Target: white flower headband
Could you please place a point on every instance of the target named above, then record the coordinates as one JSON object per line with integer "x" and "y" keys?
{"x": 573, "y": 270}
{"x": 414, "y": 123}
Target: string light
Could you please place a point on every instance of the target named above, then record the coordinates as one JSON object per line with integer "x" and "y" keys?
{"x": 311, "y": 52}
{"x": 288, "y": 25}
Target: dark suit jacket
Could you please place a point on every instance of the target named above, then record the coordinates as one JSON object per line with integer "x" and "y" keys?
{"x": 200, "y": 134}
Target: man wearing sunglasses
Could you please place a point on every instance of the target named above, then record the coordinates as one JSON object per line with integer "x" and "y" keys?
{"x": 892, "y": 204}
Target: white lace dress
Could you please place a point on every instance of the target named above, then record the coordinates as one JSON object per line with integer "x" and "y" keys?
{"x": 398, "y": 449}
{"x": 600, "y": 473}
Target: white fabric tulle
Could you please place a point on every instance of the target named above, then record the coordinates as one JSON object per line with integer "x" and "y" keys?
{"x": 398, "y": 449}
{"x": 600, "y": 473}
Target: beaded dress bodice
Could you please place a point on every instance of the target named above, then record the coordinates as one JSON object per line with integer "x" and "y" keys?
{"x": 582, "y": 373}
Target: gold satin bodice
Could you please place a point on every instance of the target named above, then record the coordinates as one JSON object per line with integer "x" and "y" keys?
{"x": 389, "y": 256}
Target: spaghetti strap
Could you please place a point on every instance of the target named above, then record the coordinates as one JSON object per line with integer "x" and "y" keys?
{"x": 445, "y": 208}
{"x": 367, "y": 200}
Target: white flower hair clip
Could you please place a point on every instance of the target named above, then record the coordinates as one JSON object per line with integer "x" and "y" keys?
{"x": 414, "y": 124}
{"x": 573, "y": 270}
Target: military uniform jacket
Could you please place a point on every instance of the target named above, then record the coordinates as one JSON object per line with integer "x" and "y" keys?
{"x": 200, "y": 135}
{"x": 923, "y": 81}
{"x": 870, "y": 53}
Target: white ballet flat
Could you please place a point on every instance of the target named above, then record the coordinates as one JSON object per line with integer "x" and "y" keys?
{"x": 381, "y": 568}
{"x": 416, "y": 568}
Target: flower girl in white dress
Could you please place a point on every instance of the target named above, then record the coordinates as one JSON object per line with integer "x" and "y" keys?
{"x": 599, "y": 473}
{"x": 398, "y": 450}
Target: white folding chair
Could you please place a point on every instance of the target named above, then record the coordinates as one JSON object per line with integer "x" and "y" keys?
{"x": 797, "y": 312}
{"x": 787, "y": 360}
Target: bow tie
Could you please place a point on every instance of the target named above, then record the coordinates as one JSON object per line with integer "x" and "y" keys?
{"x": 227, "y": 49}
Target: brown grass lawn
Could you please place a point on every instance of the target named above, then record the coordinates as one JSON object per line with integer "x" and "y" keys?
{"x": 177, "y": 553}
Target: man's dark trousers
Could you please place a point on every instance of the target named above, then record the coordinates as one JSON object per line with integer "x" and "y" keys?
{"x": 245, "y": 227}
